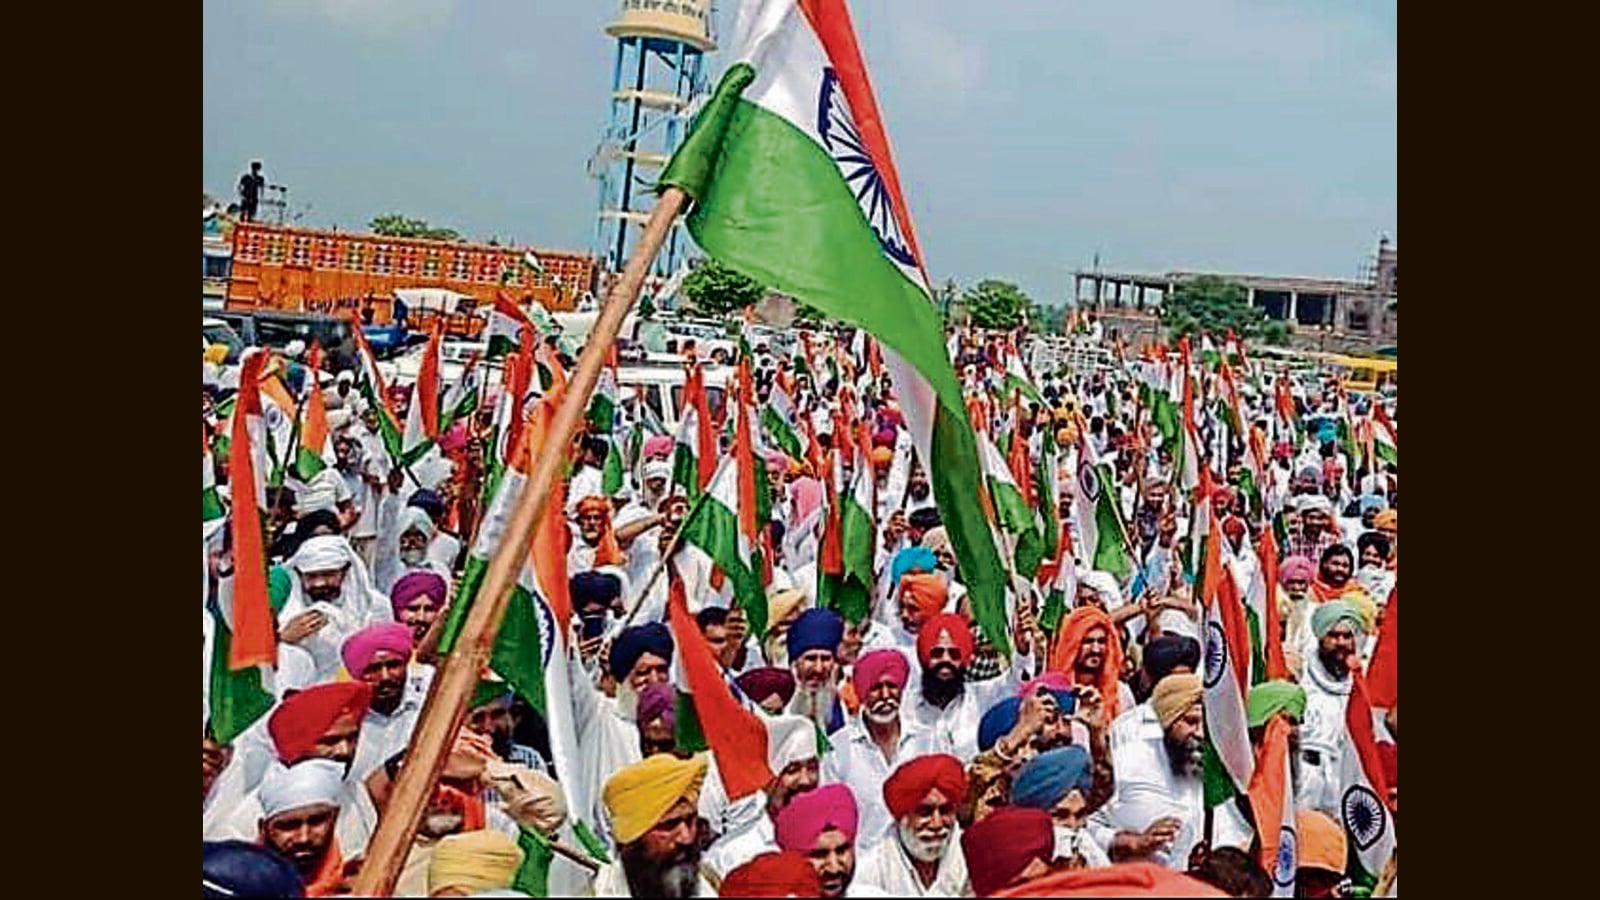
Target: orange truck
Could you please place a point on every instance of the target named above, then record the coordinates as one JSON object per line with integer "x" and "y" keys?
{"x": 309, "y": 270}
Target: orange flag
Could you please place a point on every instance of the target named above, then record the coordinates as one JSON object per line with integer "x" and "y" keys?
{"x": 255, "y": 641}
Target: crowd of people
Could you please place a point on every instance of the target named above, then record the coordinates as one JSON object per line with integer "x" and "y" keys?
{"x": 908, "y": 753}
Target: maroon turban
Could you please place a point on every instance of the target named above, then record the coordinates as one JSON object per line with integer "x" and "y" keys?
{"x": 999, "y": 846}
{"x": 910, "y": 783}
{"x": 658, "y": 699}
{"x": 304, "y": 717}
{"x": 873, "y": 668}
{"x": 759, "y": 684}
{"x": 414, "y": 585}
{"x": 944, "y": 623}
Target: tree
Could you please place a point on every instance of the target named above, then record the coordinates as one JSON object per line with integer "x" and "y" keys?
{"x": 397, "y": 225}
{"x": 1211, "y": 304}
{"x": 1275, "y": 333}
{"x": 996, "y": 304}
{"x": 715, "y": 289}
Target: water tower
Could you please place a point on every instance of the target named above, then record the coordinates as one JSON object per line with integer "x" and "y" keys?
{"x": 659, "y": 72}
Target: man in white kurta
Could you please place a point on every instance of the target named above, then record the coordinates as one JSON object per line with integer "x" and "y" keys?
{"x": 792, "y": 756}
{"x": 1157, "y": 810}
{"x": 858, "y": 758}
{"x": 922, "y": 855}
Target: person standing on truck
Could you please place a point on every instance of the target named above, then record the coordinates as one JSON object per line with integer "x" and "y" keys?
{"x": 250, "y": 186}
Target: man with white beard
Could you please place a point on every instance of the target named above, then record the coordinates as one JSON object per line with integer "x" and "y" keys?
{"x": 921, "y": 857}
{"x": 330, "y": 599}
{"x": 638, "y": 523}
{"x": 813, "y": 645}
{"x": 875, "y": 741}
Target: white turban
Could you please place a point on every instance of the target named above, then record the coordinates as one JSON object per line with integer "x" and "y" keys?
{"x": 294, "y": 348}
{"x": 321, "y": 492}
{"x": 1104, "y": 584}
{"x": 323, "y": 553}
{"x": 657, "y": 468}
{"x": 1318, "y": 502}
{"x": 790, "y": 739}
{"x": 414, "y": 518}
{"x": 310, "y": 782}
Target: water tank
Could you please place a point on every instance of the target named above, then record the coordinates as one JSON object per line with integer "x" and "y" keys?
{"x": 678, "y": 20}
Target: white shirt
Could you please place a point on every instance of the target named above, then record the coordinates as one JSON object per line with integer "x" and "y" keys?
{"x": 954, "y": 729}
{"x": 366, "y": 524}
{"x": 382, "y": 736}
{"x": 443, "y": 549}
{"x": 734, "y": 850}
{"x": 608, "y": 740}
{"x": 1147, "y": 789}
{"x": 856, "y": 762}
{"x": 887, "y": 867}
{"x": 1322, "y": 734}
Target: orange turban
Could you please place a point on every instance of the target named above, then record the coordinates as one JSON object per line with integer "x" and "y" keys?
{"x": 1321, "y": 840}
{"x": 608, "y": 552}
{"x": 882, "y": 456}
{"x": 1072, "y": 631}
{"x": 1389, "y": 519}
{"x": 925, "y": 593}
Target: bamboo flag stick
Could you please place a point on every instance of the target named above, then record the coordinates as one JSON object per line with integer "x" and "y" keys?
{"x": 458, "y": 673}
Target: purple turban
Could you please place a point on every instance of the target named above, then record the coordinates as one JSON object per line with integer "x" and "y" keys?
{"x": 657, "y": 700}
{"x": 359, "y": 648}
{"x": 414, "y": 585}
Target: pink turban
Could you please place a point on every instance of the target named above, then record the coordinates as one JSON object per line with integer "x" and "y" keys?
{"x": 414, "y": 585}
{"x": 359, "y": 648}
{"x": 872, "y": 668}
{"x": 809, "y": 814}
{"x": 807, "y": 497}
{"x": 1297, "y": 567}
{"x": 1049, "y": 681}
{"x": 658, "y": 445}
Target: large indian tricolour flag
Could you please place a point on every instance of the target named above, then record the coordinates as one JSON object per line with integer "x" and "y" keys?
{"x": 794, "y": 185}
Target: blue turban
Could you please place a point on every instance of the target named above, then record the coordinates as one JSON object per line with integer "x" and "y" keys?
{"x": 816, "y": 629}
{"x": 1049, "y": 776}
{"x": 1373, "y": 503}
{"x": 911, "y": 559}
{"x": 1332, "y": 613}
{"x": 998, "y": 721}
{"x": 241, "y": 869}
{"x": 636, "y": 642}
{"x": 428, "y": 501}
{"x": 1003, "y": 716}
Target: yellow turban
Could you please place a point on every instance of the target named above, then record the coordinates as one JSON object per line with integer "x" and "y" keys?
{"x": 482, "y": 860}
{"x": 216, "y": 353}
{"x": 1389, "y": 519}
{"x": 781, "y": 603}
{"x": 1364, "y": 605}
{"x": 639, "y": 795}
{"x": 1173, "y": 695}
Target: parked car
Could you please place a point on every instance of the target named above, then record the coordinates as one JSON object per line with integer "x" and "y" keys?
{"x": 277, "y": 329}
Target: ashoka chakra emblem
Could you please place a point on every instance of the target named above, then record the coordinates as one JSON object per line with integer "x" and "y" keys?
{"x": 1287, "y": 852}
{"x": 1216, "y": 654}
{"x": 1089, "y": 482}
{"x": 547, "y": 629}
{"x": 1364, "y": 816}
{"x": 843, "y": 142}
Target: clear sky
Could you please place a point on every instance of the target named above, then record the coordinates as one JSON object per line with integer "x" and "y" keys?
{"x": 1213, "y": 135}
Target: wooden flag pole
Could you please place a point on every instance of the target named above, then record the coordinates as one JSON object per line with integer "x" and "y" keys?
{"x": 459, "y": 672}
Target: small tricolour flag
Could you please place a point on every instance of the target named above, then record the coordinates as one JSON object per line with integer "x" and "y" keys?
{"x": 1364, "y": 804}
{"x": 245, "y": 648}
{"x": 1272, "y": 804}
{"x": 694, "y": 455}
{"x": 507, "y": 322}
{"x": 1230, "y": 762}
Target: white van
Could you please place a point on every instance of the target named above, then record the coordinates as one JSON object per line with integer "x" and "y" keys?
{"x": 659, "y": 388}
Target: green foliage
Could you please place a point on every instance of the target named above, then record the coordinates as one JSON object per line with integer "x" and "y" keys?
{"x": 397, "y": 225}
{"x": 715, "y": 289}
{"x": 1211, "y": 304}
{"x": 1275, "y": 333}
{"x": 1048, "y": 319}
{"x": 996, "y": 304}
